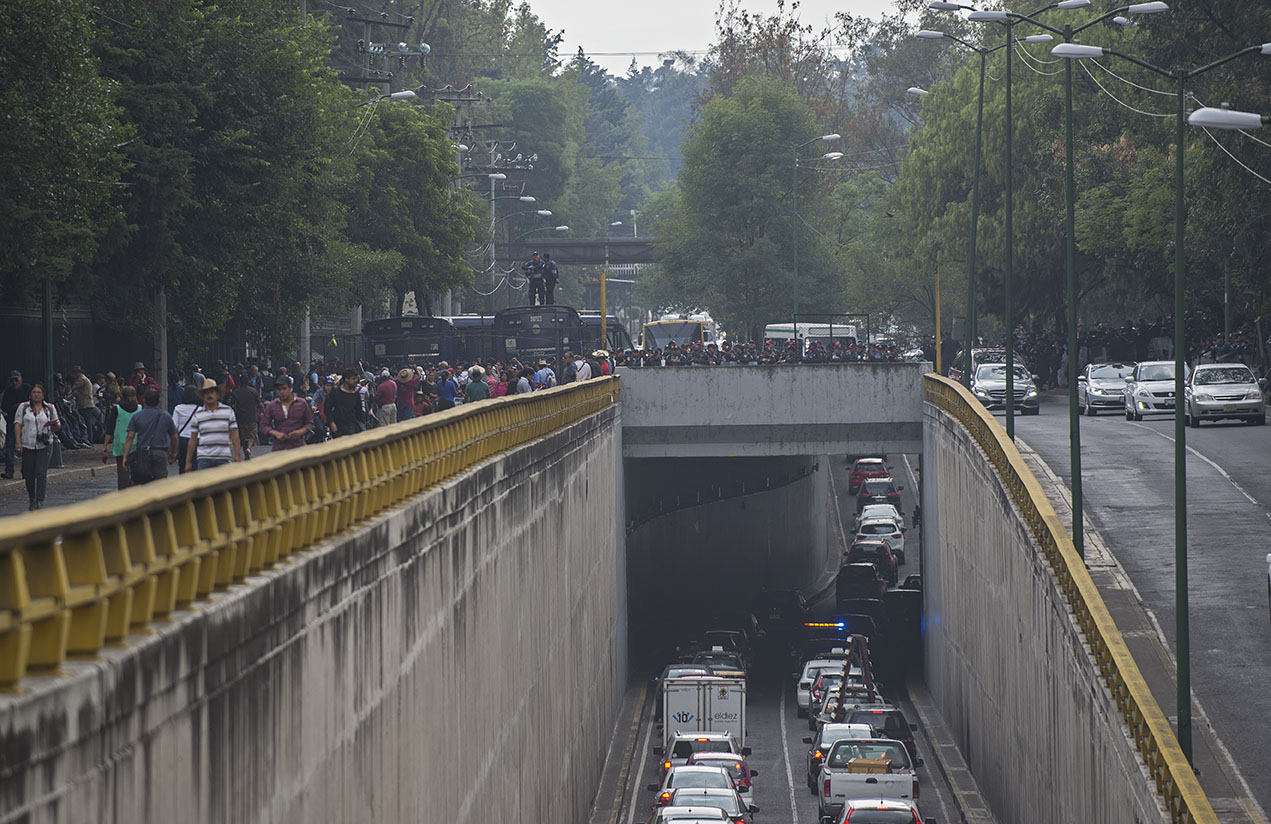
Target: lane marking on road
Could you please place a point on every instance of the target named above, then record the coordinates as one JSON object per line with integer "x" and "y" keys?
{"x": 785, "y": 756}
{"x": 913, "y": 479}
{"x": 1207, "y": 460}
{"x": 638, "y": 787}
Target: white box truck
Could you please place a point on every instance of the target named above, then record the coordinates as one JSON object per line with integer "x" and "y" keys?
{"x": 704, "y": 704}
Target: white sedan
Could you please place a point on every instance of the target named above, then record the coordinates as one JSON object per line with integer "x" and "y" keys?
{"x": 883, "y": 529}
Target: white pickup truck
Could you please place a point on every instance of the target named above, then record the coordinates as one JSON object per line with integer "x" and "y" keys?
{"x": 865, "y": 768}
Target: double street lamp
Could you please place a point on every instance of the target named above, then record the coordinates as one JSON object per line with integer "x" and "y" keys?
{"x": 1211, "y": 118}
{"x": 825, "y": 138}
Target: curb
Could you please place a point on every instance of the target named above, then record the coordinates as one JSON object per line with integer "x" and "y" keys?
{"x": 59, "y": 475}
{"x": 966, "y": 793}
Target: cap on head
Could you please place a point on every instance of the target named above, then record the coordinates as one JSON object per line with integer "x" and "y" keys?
{"x": 15, "y": 375}
{"x": 138, "y": 365}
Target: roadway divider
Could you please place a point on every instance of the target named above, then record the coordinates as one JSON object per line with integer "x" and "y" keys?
{"x": 78, "y": 577}
{"x": 1153, "y": 737}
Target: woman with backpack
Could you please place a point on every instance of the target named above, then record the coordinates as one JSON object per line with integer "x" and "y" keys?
{"x": 35, "y": 425}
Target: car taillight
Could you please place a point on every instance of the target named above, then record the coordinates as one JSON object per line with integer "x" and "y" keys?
{"x": 826, "y": 789}
{"x": 666, "y": 765}
{"x": 895, "y": 535}
{"x": 915, "y": 789}
{"x": 664, "y": 799}
{"x": 818, "y": 755}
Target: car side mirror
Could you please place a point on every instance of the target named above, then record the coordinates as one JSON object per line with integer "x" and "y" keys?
{"x": 651, "y": 787}
{"x": 900, "y": 489}
{"x": 807, "y": 740}
{"x": 1081, "y": 379}
{"x": 745, "y": 750}
{"x": 657, "y": 751}
{"x": 913, "y": 727}
{"x": 918, "y": 762}
{"x": 1262, "y": 384}
{"x": 928, "y": 821}
{"x": 754, "y": 774}
{"x": 752, "y": 808}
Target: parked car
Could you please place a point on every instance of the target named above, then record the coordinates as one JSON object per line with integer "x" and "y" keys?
{"x": 877, "y": 553}
{"x": 859, "y": 581}
{"x": 737, "y": 809}
{"x": 826, "y": 738}
{"x": 1102, "y": 386}
{"x": 863, "y": 469}
{"x": 1150, "y": 390}
{"x": 1217, "y": 391}
{"x": 878, "y": 491}
{"x": 988, "y": 384}
{"x": 883, "y": 529}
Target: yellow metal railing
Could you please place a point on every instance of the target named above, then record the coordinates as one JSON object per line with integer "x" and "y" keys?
{"x": 78, "y": 577}
{"x": 1153, "y": 736}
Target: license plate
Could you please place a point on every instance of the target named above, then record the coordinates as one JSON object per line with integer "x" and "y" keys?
{"x": 1230, "y": 407}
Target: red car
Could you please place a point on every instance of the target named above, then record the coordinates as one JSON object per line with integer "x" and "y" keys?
{"x": 866, "y": 468}
{"x": 735, "y": 764}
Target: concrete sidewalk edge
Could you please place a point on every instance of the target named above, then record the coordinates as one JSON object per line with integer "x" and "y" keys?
{"x": 615, "y": 776}
{"x": 17, "y": 484}
{"x": 957, "y": 775}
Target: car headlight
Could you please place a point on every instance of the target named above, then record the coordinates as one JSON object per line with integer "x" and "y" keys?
{"x": 1094, "y": 390}
{"x": 1143, "y": 391}
{"x": 980, "y": 393}
{"x": 1254, "y": 395}
{"x": 1032, "y": 393}
{"x": 1204, "y": 396}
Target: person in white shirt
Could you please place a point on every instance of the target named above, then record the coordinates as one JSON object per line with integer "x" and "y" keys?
{"x": 214, "y": 432}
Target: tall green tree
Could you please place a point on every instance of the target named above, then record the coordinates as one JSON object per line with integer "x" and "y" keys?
{"x": 59, "y": 127}
{"x": 727, "y": 239}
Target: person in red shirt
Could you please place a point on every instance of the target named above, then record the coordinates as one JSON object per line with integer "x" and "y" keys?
{"x": 386, "y": 399}
{"x": 288, "y": 419}
{"x": 407, "y": 386}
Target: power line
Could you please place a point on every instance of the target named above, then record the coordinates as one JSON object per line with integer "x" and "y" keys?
{"x": 1026, "y": 56}
{"x": 1114, "y": 97}
{"x": 1132, "y": 83}
{"x": 1227, "y": 152}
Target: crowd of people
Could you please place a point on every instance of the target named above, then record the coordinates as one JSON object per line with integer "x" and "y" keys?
{"x": 753, "y": 353}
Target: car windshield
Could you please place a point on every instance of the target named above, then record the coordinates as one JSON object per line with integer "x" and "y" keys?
{"x": 997, "y": 372}
{"x": 700, "y": 778}
{"x": 717, "y": 659}
{"x": 1224, "y": 374}
{"x": 869, "y": 465}
{"x": 1110, "y": 371}
{"x": 733, "y": 765}
{"x": 867, "y": 816}
{"x": 1157, "y": 372}
{"x": 870, "y": 551}
{"x": 878, "y": 487}
{"x": 877, "y": 529}
{"x": 893, "y": 753}
{"x": 890, "y": 722}
{"x": 689, "y": 798}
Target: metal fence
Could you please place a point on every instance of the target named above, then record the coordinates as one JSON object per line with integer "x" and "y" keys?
{"x": 77, "y": 577}
{"x": 1148, "y": 726}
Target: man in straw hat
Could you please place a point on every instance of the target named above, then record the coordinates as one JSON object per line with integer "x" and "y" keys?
{"x": 407, "y": 386}
{"x": 213, "y": 431}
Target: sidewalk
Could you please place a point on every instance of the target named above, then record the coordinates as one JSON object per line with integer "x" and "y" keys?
{"x": 79, "y": 464}
{"x": 1218, "y": 774}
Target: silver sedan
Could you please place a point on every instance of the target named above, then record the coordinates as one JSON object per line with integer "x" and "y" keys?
{"x": 1102, "y": 386}
{"x": 1215, "y": 391}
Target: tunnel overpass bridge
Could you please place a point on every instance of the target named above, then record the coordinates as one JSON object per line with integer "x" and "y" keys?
{"x": 321, "y": 636}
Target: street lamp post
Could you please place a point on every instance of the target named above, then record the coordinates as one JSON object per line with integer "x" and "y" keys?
{"x": 1213, "y": 118}
{"x": 823, "y": 138}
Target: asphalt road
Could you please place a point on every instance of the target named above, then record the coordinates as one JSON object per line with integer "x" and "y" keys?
{"x": 1128, "y": 484}
{"x": 775, "y": 733}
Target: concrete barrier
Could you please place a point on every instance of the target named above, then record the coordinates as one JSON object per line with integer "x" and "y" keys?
{"x": 795, "y": 409}
{"x": 454, "y": 658}
{"x": 1009, "y": 664}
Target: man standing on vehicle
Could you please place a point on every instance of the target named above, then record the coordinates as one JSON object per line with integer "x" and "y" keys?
{"x": 533, "y": 269}
{"x": 551, "y": 274}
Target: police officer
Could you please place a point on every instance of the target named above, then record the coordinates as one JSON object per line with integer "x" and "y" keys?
{"x": 550, "y": 275}
{"x": 533, "y": 269}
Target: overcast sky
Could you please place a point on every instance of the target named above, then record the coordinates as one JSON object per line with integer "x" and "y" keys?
{"x": 647, "y": 27}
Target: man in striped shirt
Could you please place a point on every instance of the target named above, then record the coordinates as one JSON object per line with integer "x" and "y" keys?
{"x": 213, "y": 432}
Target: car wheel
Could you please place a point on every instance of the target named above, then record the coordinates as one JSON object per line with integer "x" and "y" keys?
{"x": 1261, "y": 420}
{"x": 1090, "y": 410}
{"x": 1129, "y": 416}
{"x": 1192, "y": 420}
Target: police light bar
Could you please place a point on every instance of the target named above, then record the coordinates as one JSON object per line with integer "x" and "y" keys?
{"x": 823, "y": 624}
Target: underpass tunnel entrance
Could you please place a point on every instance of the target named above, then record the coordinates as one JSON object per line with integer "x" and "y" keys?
{"x": 707, "y": 536}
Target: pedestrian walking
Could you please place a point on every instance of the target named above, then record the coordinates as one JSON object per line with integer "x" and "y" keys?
{"x": 117, "y": 432}
{"x": 551, "y": 274}
{"x": 35, "y": 425}
{"x": 183, "y": 416}
{"x": 154, "y": 434}
{"x": 447, "y": 391}
{"x": 247, "y": 412}
{"x": 476, "y": 389}
{"x": 544, "y": 378}
{"x": 14, "y": 395}
{"x": 288, "y": 419}
{"x": 408, "y": 381}
{"x": 523, "y": 385}
{"x": 533, "y": 269}
{"x": 213, "y": 432}
{"x": 86, "y": 404}
{"x": 386, "y": 399}
{"x": 344, "y": 411}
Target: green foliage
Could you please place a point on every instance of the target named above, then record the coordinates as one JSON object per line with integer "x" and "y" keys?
{"x": 727, "y": 237}
{"x": 59, "y": 169}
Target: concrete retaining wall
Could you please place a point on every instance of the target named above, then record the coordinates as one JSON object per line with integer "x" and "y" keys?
{"x": 1005, "y": 661}
{"x": 460, "y": 659}
{"x": 796, "y": 409}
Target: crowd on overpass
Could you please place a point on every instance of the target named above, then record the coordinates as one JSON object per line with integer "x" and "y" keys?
{"x": 753, "y": 353}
